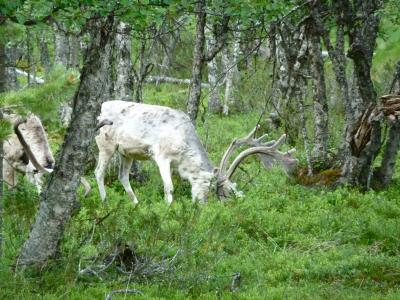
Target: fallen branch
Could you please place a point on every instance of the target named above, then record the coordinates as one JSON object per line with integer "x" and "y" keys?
{"x": 131, "y": 291}
{"x": 165, "y": 79}
{"x": 35, "y": 79}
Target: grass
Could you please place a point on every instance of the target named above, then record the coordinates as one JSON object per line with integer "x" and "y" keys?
{"x": 286, "y": 240}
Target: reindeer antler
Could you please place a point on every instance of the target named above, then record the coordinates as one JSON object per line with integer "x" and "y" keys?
{"x": 267, "y": 151}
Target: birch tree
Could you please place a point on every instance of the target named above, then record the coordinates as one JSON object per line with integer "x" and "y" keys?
{"x": 59, "y": 197}
{"x": 123, "y": 45}
{"x": 320, "y": 102}
{"x": 230, "y": 55}
{"x": 214, "y": 99}
{"x": 200, "y": 55}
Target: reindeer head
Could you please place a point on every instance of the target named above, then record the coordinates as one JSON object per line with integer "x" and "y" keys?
{"x": 33, "y": 138}
{"x": 268, "y": 153}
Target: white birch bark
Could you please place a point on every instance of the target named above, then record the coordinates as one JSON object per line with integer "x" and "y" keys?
{"x": 230, "y": 60}
{"x": 214, "y": 100}
{"x": 319, "y": 98}
{"x": 123, "y": 82}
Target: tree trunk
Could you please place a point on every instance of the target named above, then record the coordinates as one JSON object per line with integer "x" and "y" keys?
{"x": 12, "y": 53}
{"x": 44, "y": 53}
{"x": 319, "y": 97}
{"x": 198, "y": 57}
{"x": 230, "y": 59}
{"x": 357, "y": 168}
{"x": 384, "y": 173}
{"x": 169, "y": 45}
{"x": 123, "y": 82}
{"x": 285, "y": 52}
{"x": 337, "y": 56}
{"x": 61, "y": 47}
{"x": 214, "y": 101}
{"x": 73, "y": 61}
{"x": 58, "y": 200}
{"x": 163, "y": 79}
{"x": 29, "y": 57}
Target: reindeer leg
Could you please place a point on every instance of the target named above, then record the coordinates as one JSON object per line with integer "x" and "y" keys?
{"x": 164, "y": 166}
{"x": 102, "y": 163}
{"x": 124, "y": 169}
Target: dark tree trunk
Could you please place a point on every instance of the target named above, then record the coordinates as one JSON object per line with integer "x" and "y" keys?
{"x": 73, "y": 61}
{"x": 384, "y": 173}
{"x": 29, "y": 56}
{"x": 198, "y": 57}
{"x": 44, "y": 53}
{"x": 140, "y": 75}
{"x": 338, "y": 57}
{"x": 58, "y": 200}
{"x": 357, "y": 168}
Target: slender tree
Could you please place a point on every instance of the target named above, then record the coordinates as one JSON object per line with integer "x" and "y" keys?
{"x": 214, "y": 100}
{"x": 61, "y": 45}
{"x": 123, "y": 46}
{"x": 200, "y": 55}
{"x": 197, "y": 67}
{"x": 59, "y": 197}
{"x": 384, "y": 173}
{"x": 320, "y": 103}
{"x": 230, "y": 57}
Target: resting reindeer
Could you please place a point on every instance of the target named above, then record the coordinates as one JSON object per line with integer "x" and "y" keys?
{"x": 141, "y": 132}
{"x": 27, "y": 151}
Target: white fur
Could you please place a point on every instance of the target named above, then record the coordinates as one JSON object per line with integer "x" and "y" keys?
{"x": 142, "y": 132}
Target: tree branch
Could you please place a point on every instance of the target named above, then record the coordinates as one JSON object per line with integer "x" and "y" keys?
{"x": 220, "y": 32}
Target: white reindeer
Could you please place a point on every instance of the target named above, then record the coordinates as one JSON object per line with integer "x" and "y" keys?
{"x": 27, "y": 151}
{"x": 141, "y": 132}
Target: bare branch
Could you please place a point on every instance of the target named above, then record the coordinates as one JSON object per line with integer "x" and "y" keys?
{"x": 126, "y": 291}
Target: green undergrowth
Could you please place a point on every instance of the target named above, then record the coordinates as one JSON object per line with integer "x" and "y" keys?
{"x": 286, "y": 240}
{"x": 44, "y": 99}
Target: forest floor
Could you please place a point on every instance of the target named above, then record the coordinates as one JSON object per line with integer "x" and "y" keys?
{"x": 285, "y": 240}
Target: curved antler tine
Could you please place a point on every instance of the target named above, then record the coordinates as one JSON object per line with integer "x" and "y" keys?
{"x": 249, "y": 137}
{"x": 280, "y": 141}
{"x": 262, "y": 137}
{"x": 291, "y": 151}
